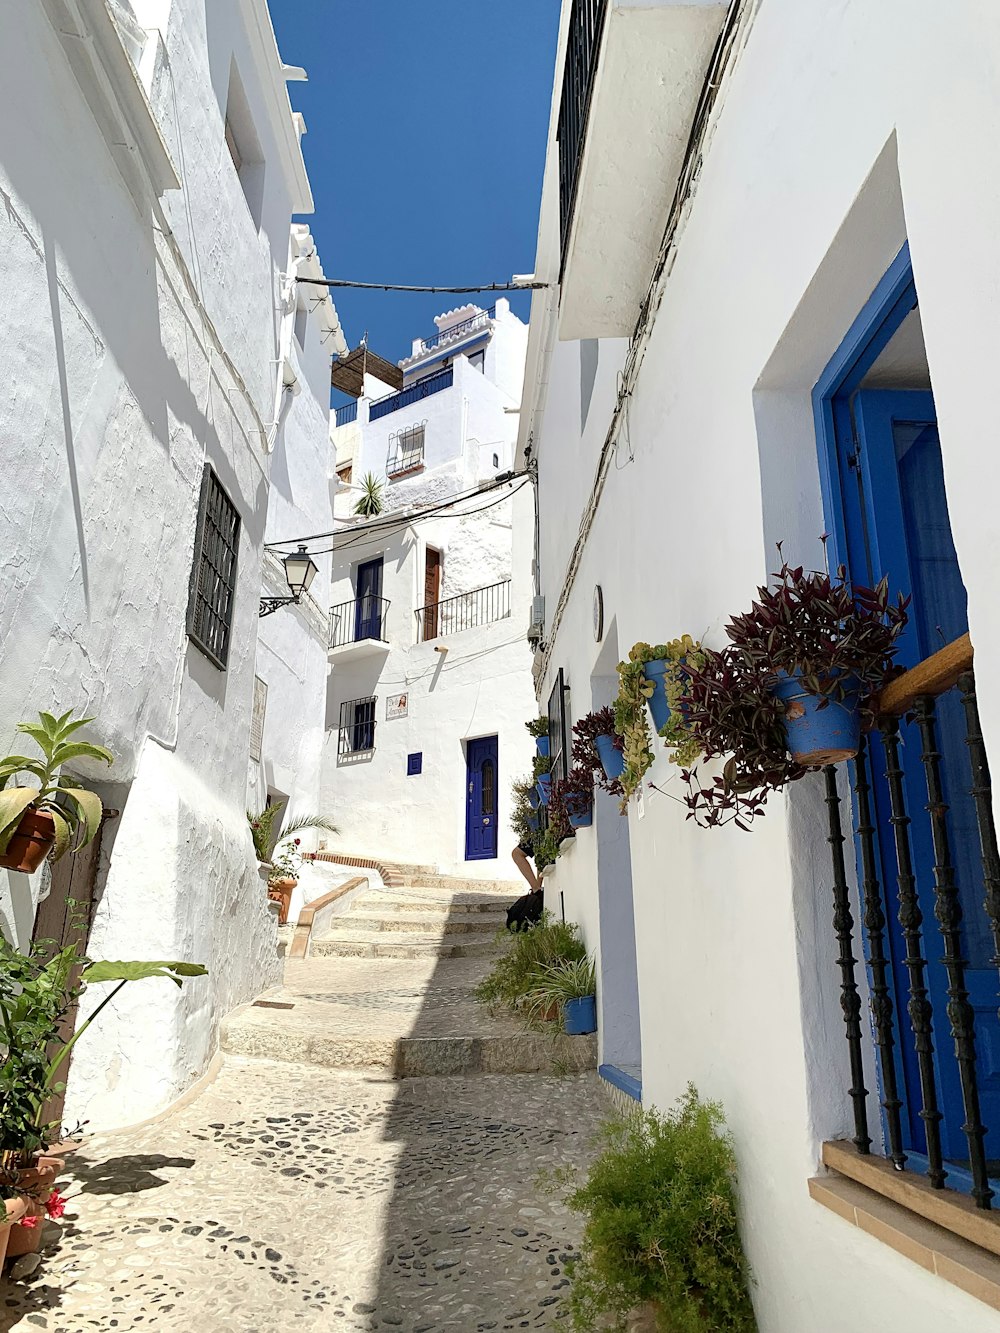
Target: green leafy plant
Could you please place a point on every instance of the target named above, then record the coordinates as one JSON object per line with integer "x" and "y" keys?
{"x": 840, "y": 638}
{"x": 568, "y": 979}
{"x": 547, "y": 847}
{"x": 527, "y": 954}
{"x": 684, "y": 656}
{"x": 524, "y": 816}
{"x": 631, "y": 719}
{"x": 286, "y": 862}
{"x": 662, "y": 1226}
{"x": 372, "y": 499}
{"x": 75, "y": 812}
{"x": 538, "y": 726}
{"x": 542, "y": 763}
{"x": 268, "y": 829}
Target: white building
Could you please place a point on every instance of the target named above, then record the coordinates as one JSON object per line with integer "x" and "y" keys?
{"x": 431, "y": 686}
{"x": 764, "y": 224}
{"x": 149, "y": 165}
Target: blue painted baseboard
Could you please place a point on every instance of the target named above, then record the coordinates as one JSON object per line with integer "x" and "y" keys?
{"x": 627, "y": 1083}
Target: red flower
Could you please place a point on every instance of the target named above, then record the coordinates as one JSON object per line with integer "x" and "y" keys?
{"x": 55, "y": 1204}
{"x": 298, "y": 841}
{"x": 28, "y": 1221}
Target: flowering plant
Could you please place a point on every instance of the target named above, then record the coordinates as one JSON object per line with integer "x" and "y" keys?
{"x": 55, "y": 1204}
{"x": 286, "y": 863}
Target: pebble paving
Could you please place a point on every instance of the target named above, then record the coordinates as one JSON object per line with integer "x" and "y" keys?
{"x": 292, "y": 1197}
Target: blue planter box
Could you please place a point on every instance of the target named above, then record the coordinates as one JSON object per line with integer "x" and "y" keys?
{"x": 582, "y": 821}
{"x": 542, "y": 745}
{"x": 817, "y": 735}
{"x": 612, "y": 760}
{"x": 580, "y": 1016}
{"x": 658, "y": 707}
{"x": 543, "y": 785}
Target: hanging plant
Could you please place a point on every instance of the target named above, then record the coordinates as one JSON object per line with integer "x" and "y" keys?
{"x": 595, "y": 727}
{"x": 835, "y": 642}
{"x": 573, "y": 798}
{"x": 662, "y": 670}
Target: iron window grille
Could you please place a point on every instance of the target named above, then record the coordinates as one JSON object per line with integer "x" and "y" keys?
{"x": 212, "y": 595}
{"x": 357, "y": 725}
{"x": 558, "y": 728}
{"x": 406, "y": 451}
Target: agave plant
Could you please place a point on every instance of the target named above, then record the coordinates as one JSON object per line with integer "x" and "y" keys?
{"x": 372, "y": 501}
{"x": 74, "y": 811}
{"x": 267, "y": 829}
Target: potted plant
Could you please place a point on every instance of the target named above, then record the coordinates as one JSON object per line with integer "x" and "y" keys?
{"x": 57, "y": 814}
{"x": 631, "y": 722}
{"x": 567, "y": 989}
{"x": 525, "y": 819}
{"x": 13, "y": 1207}
{"x": 599, "y": 748}
{"x": 286, "y": 863}
{"x": 543, "y": 780}
{"x": 661, "y": 1226}
{"x": 539, "y": 728}
{"x": 811, "y": 646}
{"x": 523, "y": 965}
{"x": 573, "y": 795}
{"x": 267, "y": 829}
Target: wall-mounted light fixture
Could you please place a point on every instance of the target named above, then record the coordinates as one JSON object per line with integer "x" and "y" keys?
{"x": 300, "y": 570}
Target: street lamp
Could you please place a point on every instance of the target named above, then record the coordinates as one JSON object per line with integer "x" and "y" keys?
{"x": 300, "y": 570}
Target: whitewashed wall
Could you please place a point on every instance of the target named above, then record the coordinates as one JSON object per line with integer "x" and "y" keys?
{"x": 847, "y": 127}
{"x": 117, "y": 393}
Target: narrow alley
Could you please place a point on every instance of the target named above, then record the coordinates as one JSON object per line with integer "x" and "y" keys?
{"x": 309, "y": 1187}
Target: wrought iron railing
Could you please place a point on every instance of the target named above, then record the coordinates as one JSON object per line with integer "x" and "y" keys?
{"x": 413, "y": 394}
{"x": 458, "y": 330}
{"x": 466, "y": 610}
{"x": 360, "y": 618}
{"x": 347, "y": 413}
{"x": 407, "y": 452}
{"x": 922, "y": 715}
{"x": 357, "y": 726}
{"x": 586, "y": 25}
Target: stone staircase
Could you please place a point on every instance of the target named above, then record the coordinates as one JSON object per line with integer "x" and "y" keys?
{"x": 389, "y": 986}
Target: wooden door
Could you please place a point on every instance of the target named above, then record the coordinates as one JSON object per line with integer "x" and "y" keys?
{"x": 432, "y": 591}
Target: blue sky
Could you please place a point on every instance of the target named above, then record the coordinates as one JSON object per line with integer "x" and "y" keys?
{"x": 426, "y": 144}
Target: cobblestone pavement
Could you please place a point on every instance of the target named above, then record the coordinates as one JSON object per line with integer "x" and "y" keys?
{"x": 287, "y": 1196}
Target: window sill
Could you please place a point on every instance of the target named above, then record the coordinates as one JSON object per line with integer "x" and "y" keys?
{"x": 941, "y": 1230}
{"x": 405, "y": 472}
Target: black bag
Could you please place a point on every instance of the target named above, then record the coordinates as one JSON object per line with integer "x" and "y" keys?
{"x": 526, "y": 912}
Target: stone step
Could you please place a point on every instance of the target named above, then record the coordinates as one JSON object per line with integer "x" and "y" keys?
{"x": 427, "y": 905}
{"x": 412, "y": 1057}
{"x": 458, "y": 883}
{"x": 367, "y": 920}
{"x": 381, "y": 944}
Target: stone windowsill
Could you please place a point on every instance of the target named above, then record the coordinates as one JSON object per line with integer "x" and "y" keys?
{"x": 941, "y": 1230}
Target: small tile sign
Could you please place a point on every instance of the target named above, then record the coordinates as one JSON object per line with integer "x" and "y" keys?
{"x": 414, "y": 764}
{"x": 257, "y": 719}
{"x": 396, "y": 705}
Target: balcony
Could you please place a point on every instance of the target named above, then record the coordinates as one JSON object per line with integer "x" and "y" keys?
{"x": 413, "y": 394}
{"x": 632, "y": 79}
{"x": 346, "y": 414}
{"x": 467, "y": 610}
{"x": 406, "y": 455}
{"x": 358, "y": 628}
{"x": 481, "y": 320}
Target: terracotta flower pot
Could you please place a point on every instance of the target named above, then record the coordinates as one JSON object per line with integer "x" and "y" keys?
{"x": 14, "y": 1210}
{"x": 40, "y": 1177}
{"x": 280, "y": 892}
{"x": 22, "y": 1239}
{"x": 31, "y": 843}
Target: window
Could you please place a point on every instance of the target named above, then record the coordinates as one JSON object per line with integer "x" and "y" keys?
{"x": 244, "y": 146}
{"x": 558, "y": 729}
{"x": 496, "y": 460}
{"x": 414, "y": 764}
{"x": 357, "y": 725}
{"x": 212, "y": 594}
{"x": 345, "y": 473}
{"x": 406, "y": 451}
{"x": 478, "y": 359}
{"x": 301, "y": 323}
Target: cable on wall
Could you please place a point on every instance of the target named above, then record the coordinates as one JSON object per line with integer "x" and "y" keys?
{"x": 528, "y": 285}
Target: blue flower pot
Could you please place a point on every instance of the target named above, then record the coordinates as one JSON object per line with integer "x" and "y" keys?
{"x": 543, "y": 785}
{"x": 542, "y": 745}
{"x": 817, "y": 735}
{"x": 582, "y": 821}
{"x": 612, "y": 760}
{"x": 534, "y": 800}
{"x": 580, "y": 1016}
{"x": 658, "y": 707}
{"x": 535, "y": 823}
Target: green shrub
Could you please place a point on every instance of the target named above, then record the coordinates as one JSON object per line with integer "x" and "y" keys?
{"x": 558, "y": 983}
{"x": 661, "y": 1225}
{"x": 522, "y": 967}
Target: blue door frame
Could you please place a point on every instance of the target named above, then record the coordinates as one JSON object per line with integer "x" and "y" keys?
{"x": 481, "y": 798}
{"x": 886, "y": 513}
{"x": 368, "y": 602}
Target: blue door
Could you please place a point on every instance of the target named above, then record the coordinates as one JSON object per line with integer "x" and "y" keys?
{"x": 368, "y": 603}
{"x": 481, "y": 799}
{"x": 897, "y": 524}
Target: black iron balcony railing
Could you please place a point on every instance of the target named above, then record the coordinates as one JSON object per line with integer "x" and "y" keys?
{"x": 347, "y": 413}
{"x": 464, "y": 611}
{"x": 933, "y": 1043}
{"x": 392, "y": 402}
{"x": 357, "y": 726}
{"x": 480, "y": 318}
{"x": 360, "y": 618}
{"x": 407, "y": 452}
{"x": 586, "y": 26}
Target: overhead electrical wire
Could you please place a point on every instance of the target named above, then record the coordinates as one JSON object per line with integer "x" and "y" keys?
{"x": 398, "y": 287}
{"x": 363, "y": 534}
